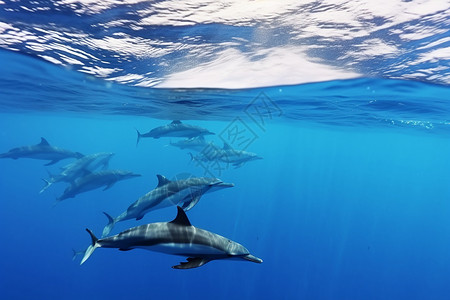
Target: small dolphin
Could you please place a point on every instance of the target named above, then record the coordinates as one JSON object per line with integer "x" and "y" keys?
{"x": 197, "y": 143}
{"x": 184, "y": 192}
{"x": 227, "y": 155}
{"x": 95, "y": 180}
{"x": 174, "y": 129}
{"x": 79, "y": 168}
{"x": 177, "y": 237}
{"x": 43, "y": 151}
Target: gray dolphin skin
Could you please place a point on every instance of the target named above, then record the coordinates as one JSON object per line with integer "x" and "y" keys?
{"x": 95, "y": 180}
{"x": 177, "y": 237}
{"x": 43, "y": 151}
{"x": 79, "y": 168}
{"x": 196, "y": 143}
{"x": 227, "y": 155}
{"x": 174, "y": 129}
{"x": 184, "y": 192}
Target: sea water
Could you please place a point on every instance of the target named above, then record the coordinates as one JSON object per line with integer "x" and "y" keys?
{"x": 350, "y": 201}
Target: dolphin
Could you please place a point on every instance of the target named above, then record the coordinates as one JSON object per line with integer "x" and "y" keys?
{"x": 95, "y": 180}
{"x": 177, "y": 237}
{"x": 79, "y": 168}
{"x": 184, "y": 192}
{"x": 43, "y": 151}
{"x": 174, "y": 129}
{"x": 226, "y": 154}
{"x": 197, "y": 143}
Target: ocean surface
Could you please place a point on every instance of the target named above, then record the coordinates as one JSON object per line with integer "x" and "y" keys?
{"x": 347, "y": 103}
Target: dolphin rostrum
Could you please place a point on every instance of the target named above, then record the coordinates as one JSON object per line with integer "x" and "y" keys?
{"x": 95, "y": 180}
{"x": 183, "y": 192}
{"x": 43, "y": 151}
{"x": 177, "y": 237}
{"x": 174, "y": 129}
{"x": 79, "y": 168}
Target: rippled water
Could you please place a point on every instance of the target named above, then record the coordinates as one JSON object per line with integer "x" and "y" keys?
{"x": 234, "y": 44}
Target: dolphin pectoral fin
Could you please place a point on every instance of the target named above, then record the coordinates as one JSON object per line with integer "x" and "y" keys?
{"x": 52, "y": 162}
{"x": 192, "y": 262}
{"x": 108, "y": 186}
{"x": 190, "y": 203}
{"x": 139, "y": 218}
{"x": 125, "y": 249}
{"x": 238, "y": 165}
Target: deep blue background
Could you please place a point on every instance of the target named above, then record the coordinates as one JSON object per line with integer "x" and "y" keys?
{"x": 335, "y": 213}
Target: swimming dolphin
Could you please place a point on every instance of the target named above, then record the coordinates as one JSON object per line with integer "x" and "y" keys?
{"x": 183, "y": 192}
{"x": 43, "y": 151}
{"x": 174, "y": 129}
{"x": 197, "y": 143}
{"x": 95, "y": 180}
{"x": 177, "y": 237}
{"x": 226, "y": 154}
{"x": 79, "y": 168}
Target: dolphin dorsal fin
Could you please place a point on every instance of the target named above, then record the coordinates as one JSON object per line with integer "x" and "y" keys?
{"x": 176, "y": 122}
{"x": 44, "y": 142}
{"x": 181, "y": 218}
{"x": 226, "y": 146}
{"x": 162, "y": 180}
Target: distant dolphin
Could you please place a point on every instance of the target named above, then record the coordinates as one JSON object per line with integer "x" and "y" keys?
{"x": 184, "y": 192}
{"x": 197, "y": 143}
{"x": 226, "y": 154}
{"x": 174, "y": 129}
{"x": 177, "y": 237}
{"x": 43, "y": 151}
{"x": 95, "y": 180}
{"x": 79, "y": 168}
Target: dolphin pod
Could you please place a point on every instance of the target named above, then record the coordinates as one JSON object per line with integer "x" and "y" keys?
{"x": 78, "y": 168}
{"x": 177, "y": 237}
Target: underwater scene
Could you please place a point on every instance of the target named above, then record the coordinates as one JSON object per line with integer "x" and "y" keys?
{"x": 225, "y": 150}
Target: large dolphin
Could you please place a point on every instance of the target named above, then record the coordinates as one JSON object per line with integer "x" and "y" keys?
{"x": 177, "y": 237}
{"x": 43, "y": 151}
{"x": 226, "y": 154}
{"x": 183, "y": 192}
{"x": 174, "y": 129}
{"x": 197, "y": 143}
{"x": 95, "y": 180}
{"x": 79, "y": 168}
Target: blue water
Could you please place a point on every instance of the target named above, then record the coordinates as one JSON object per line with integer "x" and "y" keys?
{"x": 350, "y": 201}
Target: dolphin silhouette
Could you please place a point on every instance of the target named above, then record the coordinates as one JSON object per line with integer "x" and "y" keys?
{"x": 43, "y": 151}
{"x": 95, "y": 180}
{"x": 174, "y": 129}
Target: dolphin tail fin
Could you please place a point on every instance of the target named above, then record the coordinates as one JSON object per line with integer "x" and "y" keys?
{"x": 57, "y": 200}
{"x": 76, "y": 253}
{"x": 91, "y": 248}
{"x": 192, "y": 156}
{"x": 109, "y": 226}
{"x": 138, "y": 137}
{"x": 46, "y": 186}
